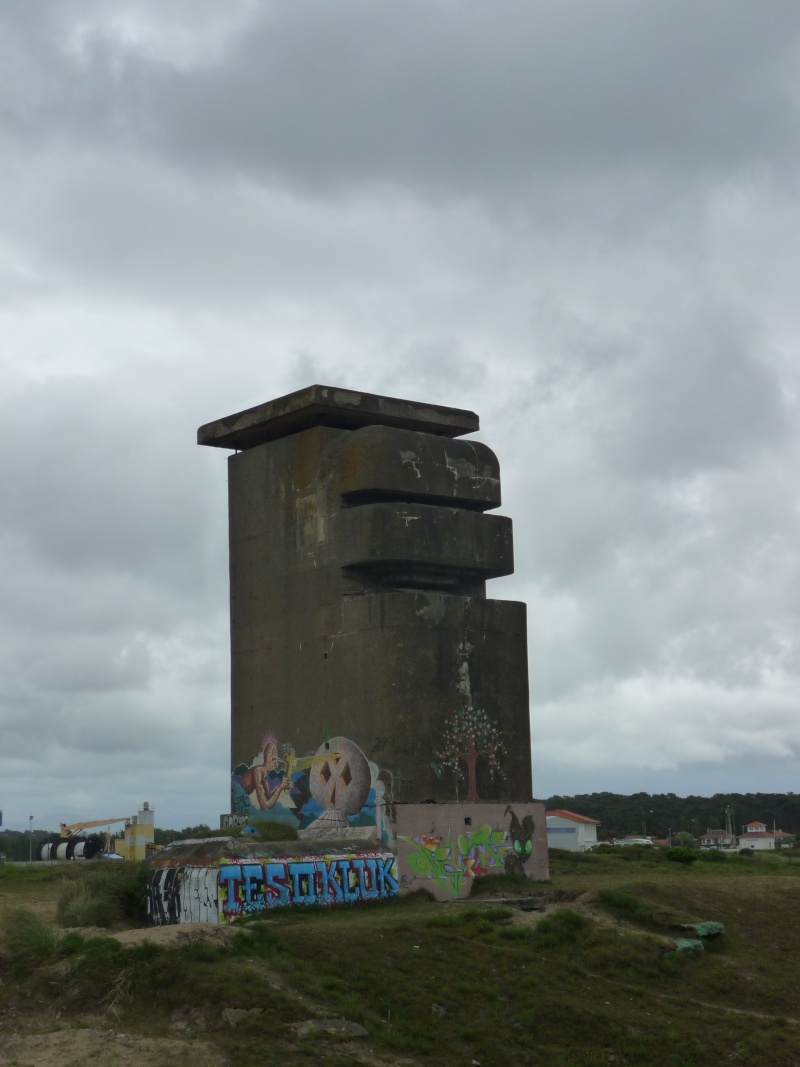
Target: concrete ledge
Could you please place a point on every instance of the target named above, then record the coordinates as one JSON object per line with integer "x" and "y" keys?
{"x": 399, "y": 538}
{"x": 405, "y": 465}
{"x": 323, "y": 405}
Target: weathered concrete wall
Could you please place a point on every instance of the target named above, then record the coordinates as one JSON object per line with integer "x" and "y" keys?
{"x": 220, "y": 888}
{"x": 443, "y": 847}
{"x": 368, "y": 668}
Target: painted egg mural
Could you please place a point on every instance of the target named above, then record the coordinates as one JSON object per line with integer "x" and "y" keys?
{"x": 342, "y": 781}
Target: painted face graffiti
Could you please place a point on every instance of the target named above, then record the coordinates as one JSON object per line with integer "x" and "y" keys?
{"x": 333, "y": 792}
{"x": 261, "y": 778}
{"x": 521, "y": 834}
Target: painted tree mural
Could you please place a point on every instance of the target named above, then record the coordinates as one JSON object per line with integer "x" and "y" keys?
{"x": 469, "y": 734}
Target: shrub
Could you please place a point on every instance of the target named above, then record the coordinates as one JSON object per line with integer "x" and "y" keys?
{"x": 27, "y": 939}
{"x": 630, "y": 853}
{"x": 682, "y": 854}
{"x": 626, "y": 904}
{"x": 562, "y": 926}
{"x": 275, "y": 831}
{"x": 108, "y": 893}
{"x": 79, "y": 905}
{"x": 712, "y": 855}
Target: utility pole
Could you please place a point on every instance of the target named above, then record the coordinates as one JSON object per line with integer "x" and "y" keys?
{"x": 30, "y": 839}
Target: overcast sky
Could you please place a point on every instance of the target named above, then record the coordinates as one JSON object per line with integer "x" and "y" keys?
{"x": 578, "y": 219}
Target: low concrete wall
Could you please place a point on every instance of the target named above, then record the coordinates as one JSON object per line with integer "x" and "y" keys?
{"x": 225, "y": 888}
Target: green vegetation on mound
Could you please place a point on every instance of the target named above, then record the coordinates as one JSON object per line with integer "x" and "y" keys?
{"x": 109, "y": 893}
{"x": 591, "y": 981}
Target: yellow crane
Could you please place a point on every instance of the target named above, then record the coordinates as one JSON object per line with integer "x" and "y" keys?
{"x": 69, "y": 829}
{"x": 72, "y": 829}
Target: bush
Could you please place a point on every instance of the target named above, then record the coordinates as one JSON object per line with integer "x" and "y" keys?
{"x": 27, "y": 939}
{"x": 682, "y": 854}
{"x": 80, "y": 905}
{"x": 562, "y": 926}
{"x": 626, "y": 905}
{"x": 108, "y": 893}
{"x": 630, "y": 853}
{"x": 605, "y": 849}
{"x": 712, "y": 855}
{"x": 274, "y": 831}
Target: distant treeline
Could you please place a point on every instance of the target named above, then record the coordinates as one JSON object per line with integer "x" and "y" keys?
{"x": 17, "y": 844}
{"x": 658, "y": 813}
{"x": 166, "y": 837}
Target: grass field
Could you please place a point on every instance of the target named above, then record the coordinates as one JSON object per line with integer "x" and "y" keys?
{"x": 588, "y": 978}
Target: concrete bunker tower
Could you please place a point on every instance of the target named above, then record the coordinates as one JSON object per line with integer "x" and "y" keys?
{"x": 369, "y": 670}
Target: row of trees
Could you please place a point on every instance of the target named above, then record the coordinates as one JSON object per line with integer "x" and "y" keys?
{"x": 656, "y": 814}
{"x": 17, "y": 845}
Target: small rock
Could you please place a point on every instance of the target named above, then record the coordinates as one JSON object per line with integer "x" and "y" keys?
{"x": 438, "y": 1009}
{"x": 232, "y": 1016}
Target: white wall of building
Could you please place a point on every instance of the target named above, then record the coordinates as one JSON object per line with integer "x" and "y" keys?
{"x": 570, "y": 834}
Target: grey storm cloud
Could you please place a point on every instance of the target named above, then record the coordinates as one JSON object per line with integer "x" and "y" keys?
{"x": 572, "y": 218}
{"x": 426, "y": 97}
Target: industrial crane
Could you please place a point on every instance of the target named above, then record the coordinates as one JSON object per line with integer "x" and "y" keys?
{"x": 70, "y": 829}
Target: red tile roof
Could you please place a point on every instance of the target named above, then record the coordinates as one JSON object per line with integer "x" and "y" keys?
{"x": 562, "y": 813}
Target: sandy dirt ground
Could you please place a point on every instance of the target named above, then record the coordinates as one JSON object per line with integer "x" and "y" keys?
{"x": 104, "y": 1048}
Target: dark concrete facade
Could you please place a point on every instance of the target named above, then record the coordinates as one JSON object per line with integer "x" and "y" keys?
{"x": 368, "y": 667}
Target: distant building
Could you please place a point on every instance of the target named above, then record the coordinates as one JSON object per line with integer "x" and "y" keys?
{"x": 718, "y": 839}
{"x": 139, "y": 833}
{"x": 567, "y": 829}
{"x": 757, "y": 836}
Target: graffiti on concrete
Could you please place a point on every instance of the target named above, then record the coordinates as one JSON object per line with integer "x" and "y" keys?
{"x": 469, "y": 735}
{"x": 182, "y": 895}
{"x": 333, "y": 792}
{"x": 521, "y": 834}
{"x": 450, "y": 860}
{"x": 256, "y": 885}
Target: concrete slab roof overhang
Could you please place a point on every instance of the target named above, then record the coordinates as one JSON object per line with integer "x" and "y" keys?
{"x": 323, "y": 405}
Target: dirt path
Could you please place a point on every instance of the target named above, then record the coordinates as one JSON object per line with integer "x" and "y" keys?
{"x": 104, "y": 1048}
{"x": 168, "y": 936}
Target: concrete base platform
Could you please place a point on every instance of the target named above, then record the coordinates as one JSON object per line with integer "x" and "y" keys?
{"x": 440, "y": 848}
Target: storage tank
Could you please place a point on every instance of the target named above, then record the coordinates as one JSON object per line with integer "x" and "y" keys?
{"x": 56, "y": 847}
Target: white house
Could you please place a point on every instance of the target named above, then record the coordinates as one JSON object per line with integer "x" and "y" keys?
{"x": 756, "y": 836}
{"x": 718, "y": 839}
{"x": 566, "y": 829}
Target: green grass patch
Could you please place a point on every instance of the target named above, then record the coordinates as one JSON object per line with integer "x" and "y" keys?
{"x": 562, "y": 926}
{"x": 106, "y": 894}
{"x": 448, "y": 984}
{"x": 27, "y": 940}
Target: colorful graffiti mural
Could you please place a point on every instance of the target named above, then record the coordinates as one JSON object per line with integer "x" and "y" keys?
{"x": 333, "y": 792}
{"x": 450, "y": 860}
{"x": 230, "y": 889}
{"x": 468, "y": 735}
{"x": 182, "y": 895}
{"x": 247, "y": 887}
{"x": 521, "y": 834}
